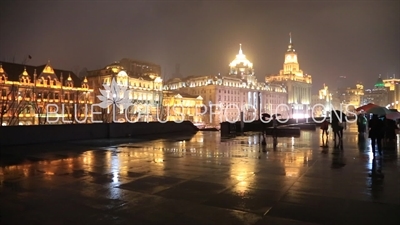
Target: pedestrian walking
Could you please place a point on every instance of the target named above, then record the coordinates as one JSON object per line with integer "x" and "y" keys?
{"x": 376, "y": 133}
{"x": 274, "y": 127}
{"x": 325, "y": 128}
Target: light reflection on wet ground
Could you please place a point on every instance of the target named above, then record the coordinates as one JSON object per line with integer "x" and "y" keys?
{"x": 207, "y": 179}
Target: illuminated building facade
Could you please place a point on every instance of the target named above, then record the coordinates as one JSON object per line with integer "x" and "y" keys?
{"x": 393, "y": 88}
{"x": 298, "y": 84}
{"x": 321, "y": 103}
{"x": 350, "y": 98}
{"x": 181, "y": 106}
{"x": 32, "y": 95}
{"x": 377, "y": 95}
{"x": 226, "y": 97}
{"x": 144, "y": 92}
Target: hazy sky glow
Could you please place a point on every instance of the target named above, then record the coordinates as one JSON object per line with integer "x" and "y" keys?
{"x": 358, "y": 39}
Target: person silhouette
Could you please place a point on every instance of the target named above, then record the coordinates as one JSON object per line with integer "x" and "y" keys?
{"x": 325, "y": 128}
{"x": 338, "y": 123}
{"x": 274, "y": 127}
{"x": 376, "y": 133}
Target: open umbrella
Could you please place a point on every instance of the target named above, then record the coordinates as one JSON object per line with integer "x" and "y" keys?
{"x": 266, "y": 115}
{"x": 393, "y": 116}
{"x": 338, "y": 115}
{"x": 367, "y": 107}
{"x": 380, "y": 111}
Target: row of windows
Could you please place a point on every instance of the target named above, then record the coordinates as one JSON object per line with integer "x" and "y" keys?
{"x": 132, "y": 84}
{"x": 42, "y": 95}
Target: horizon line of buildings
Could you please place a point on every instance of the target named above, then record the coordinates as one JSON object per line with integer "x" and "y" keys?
{"x": 29, "y": 94}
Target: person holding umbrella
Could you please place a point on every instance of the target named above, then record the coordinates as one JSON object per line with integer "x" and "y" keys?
{"x": 376, "y": 133}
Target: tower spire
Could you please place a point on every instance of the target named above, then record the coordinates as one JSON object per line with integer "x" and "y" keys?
{"x": 290, "y": 46}
{"x": 240, "y": 49}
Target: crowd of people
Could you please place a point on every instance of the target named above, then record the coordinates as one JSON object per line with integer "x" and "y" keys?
{"x": 379, "y": 129}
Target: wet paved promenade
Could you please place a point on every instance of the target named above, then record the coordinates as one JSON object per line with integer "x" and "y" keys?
{"x": 202, "y": 179}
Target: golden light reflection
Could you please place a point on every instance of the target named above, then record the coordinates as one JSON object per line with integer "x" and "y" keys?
{"x": 158, "y": 160}
{"x": 293, "y": 162}
{"x": 243, "y": 174}
{"x": 15, "y": 172}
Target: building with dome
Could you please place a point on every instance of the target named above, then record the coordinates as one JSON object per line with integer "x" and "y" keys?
{"x": 34, "y": 95}
{"x": 377, "y": 95}
{"x": 297, "y": 83}
{"x": 227, "y": 97}
{"x": 142, "y": 89}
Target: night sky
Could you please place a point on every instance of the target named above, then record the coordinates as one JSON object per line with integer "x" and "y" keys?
{"x": 358, "y": 39}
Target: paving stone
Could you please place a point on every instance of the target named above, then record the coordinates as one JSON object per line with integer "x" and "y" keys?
{"x": 204, "y": 180}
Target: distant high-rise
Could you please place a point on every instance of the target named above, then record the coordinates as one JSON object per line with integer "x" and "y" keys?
{"x": 177, "y": 73}
{"x": 341, "y": 82}
{"x": 138, "y": 68}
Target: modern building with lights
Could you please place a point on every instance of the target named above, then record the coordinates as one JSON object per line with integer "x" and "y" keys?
{"x": 35, "y": 95}
{"x": 227, "y": 97}
{"x": 142, "y": 90}
{"x": 297, "y": 83}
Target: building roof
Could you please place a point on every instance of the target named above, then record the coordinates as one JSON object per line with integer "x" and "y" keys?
{"x": 379, "y": 83}
{"x": 184, "y": 95}
{"x": 140, "y": 62}
{"x": 14, "y": 70}
{"x": 241, "y": 60}
{"x": 115, "y": 68}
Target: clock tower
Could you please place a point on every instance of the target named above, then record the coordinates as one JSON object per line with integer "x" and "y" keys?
{"x": 291, "y": 65}
{"x": 298, "y": 84}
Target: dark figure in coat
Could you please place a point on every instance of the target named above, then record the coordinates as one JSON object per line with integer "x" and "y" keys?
{"x": 376, "y": 133}
{"x": 338, "y": 123}
{"x": 390, "y": 131}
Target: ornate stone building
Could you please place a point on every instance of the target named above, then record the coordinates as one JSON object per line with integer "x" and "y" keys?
{"x": 181, "y": 106}
{"x": 32, "y": 95}
{"x": 393, "y": 88}
{"x": 377, "y": 95}
{"x": 143, "y": 91}
{"x": 321, "y": 104}
{"x": 298, "y": 84}
{"x": 226, "y": 97}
